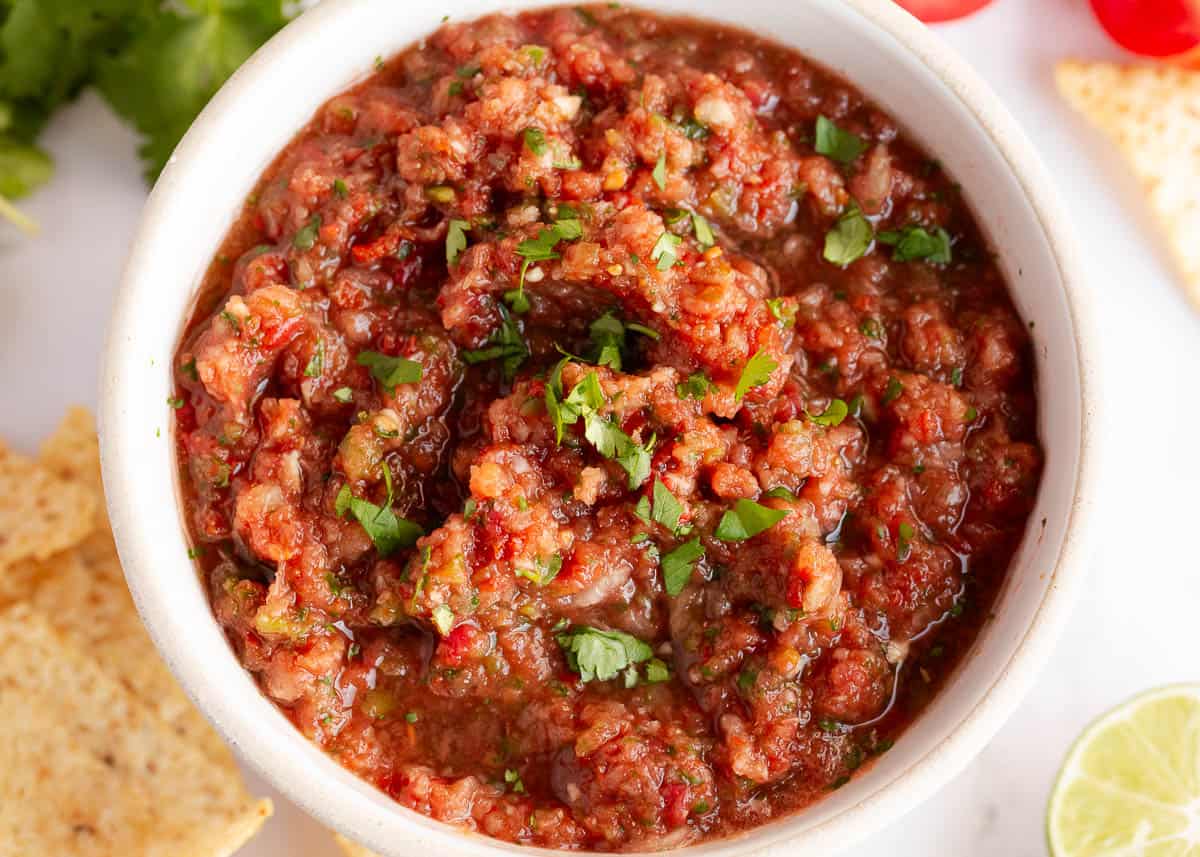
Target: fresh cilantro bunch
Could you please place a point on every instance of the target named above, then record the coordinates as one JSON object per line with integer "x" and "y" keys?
{"x": 156, "y": 62}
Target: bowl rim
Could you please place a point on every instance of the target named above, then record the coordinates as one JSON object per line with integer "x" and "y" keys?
{"x": 967, "y": 733}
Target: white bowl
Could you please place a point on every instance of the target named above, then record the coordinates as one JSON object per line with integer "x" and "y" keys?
{"x": 885, "y": 53}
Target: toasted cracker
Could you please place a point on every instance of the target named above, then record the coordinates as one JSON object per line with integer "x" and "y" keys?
{"x": 1153, "y": 115}
{"x": 40, "y": 515}
{"x": 352, "y": 849}
{"x": 90, "y": 771}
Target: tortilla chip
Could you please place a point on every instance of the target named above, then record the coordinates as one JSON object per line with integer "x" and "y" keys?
{"x": 1153, "y": 115}
{"x": 353, "y": 849}
{"x": 82, "y": 594}
{"x": 90, "y": 771}
{"x": 40, "y": 515}
{"x": 73, "y": 451}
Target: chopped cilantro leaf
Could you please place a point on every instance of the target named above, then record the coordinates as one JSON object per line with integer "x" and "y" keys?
{"x": 832, "y": 415}
{"x": 664, "y": 252}
{"x": 757, "y": 372}
{"x": 893, "y": 391}
{"x": 535, "y": 140}
{"x": 343, "y": 395}
{"x": 677, "y": 566}
{"x": 781, "y": 493}
{"x": 849, "y": 238}
{"x": 695, "y": 387}
{"x": 659, "y": 173}
{"x": 783, "y": 310}
{"x": 704, "y": 233}
{"x": 390, "y": 371}
{"x": 306, "y": 235}
{"x": 904, "y": 542}
{"x": 316, "y": 363}
{"x": 667, "y": 508}
{"x": 747, "y": 519}
{"x": 443, "y": 619}
{"x": 914, "y": 242}
{"x": 387, "y": 531}
{"x": 506, "y": 343}
{"x": 601, "y": 655}
{"x": 513, "y": 778}
{"x": 840, "y": 145}
{"x": 456, "y": 240}
{"x": 546, "y": 571}
{"x": 657, "y": 671}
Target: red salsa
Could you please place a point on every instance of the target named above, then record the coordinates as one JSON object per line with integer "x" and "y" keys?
{"x": 604, "y": 431}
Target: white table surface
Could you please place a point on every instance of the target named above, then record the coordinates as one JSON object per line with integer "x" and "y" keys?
{"x": 1135, "y": 625}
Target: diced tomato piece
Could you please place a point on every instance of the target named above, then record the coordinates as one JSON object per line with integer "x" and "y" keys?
{"x": 1151, "y": 28}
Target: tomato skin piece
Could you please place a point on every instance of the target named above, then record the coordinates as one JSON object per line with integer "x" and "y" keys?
{"x": 1151, "y": 28}
{"x": 934, "y": 11}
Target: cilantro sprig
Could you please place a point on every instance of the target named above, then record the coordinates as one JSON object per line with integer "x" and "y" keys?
{"x": 747, "y": 519}
{"x": 599, "y": 655}
{"x": 156, "y": 63}
{"x": 585, "y": 402}
{"x": 387, "y": 531}
{"x": 506, "y": 343}
{"x": 540, "y": 249}
{"x": 914, "y": 242}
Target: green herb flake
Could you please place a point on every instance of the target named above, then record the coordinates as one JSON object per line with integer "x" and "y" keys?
{"x": 756, "y": 372}
{"x": 535, "y": 140}
{"x": 747, "y": 519}
{"x": 390, "y": 371}
{"x": 871, "y": 328}
{"x": 677, "y": 566}
{"x": 849, "y": 238}
{"x": 344, "y": 395}
{"x": 695, "y": 387}
{"x": 175, "y": 402}
{"x": 832, "y": 415}
{"x": 894, "y": 390}
{"x": 704, "y": 233}
{"x": 306, "y": 236}
{"x": 506, "y": 344}
{"x": 657, "y": 671}
{"x": 834, "y": 142}
{"x": 546, "y": 571}
{"x": 956, "y": 376}
{"x": 513, "y": 778}
{"x": 599, "y": 655}
{"x": 659, "y": 174}
{"x": 667, "y": 509}
{"x": 387, "y": 531}
{"x": 316, "y": 363}
{"x": 904, "y": 541}
{"x": 443, "y": 619}
{"x": 916, "y": 243}
{"x": 339, "y": 188}
{"x": 456, "y": 240}
{"x": 665, "y": 251}
{"x": 783, "y": 310}
{"x": 412, "y": 717}
{"x": 779, "y": 492}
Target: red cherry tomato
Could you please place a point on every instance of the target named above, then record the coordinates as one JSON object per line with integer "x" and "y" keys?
{"x": 932, "y": 11}
{"x": 1151, "y": 28}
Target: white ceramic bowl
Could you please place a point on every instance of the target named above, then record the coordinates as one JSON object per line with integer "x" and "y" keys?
{"x": 890, "y": 57}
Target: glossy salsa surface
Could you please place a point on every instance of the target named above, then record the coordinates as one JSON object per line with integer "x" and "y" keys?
{"x": 604, "y": 431}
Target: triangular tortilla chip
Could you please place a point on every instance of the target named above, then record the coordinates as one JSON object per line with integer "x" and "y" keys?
{"x": 1153, "y": 115}
{"x": 352, "y": 849}
{"x": 73, "y": 451}
{"x": 90, "y": 771}
{"x": 40, "y": 515}
{"x": 82, "y": 593}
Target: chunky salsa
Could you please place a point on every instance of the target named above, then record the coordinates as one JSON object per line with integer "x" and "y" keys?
{"x": 604, "y": 431}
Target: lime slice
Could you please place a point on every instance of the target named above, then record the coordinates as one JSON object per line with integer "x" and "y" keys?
{"x": 1130, "y": 786}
